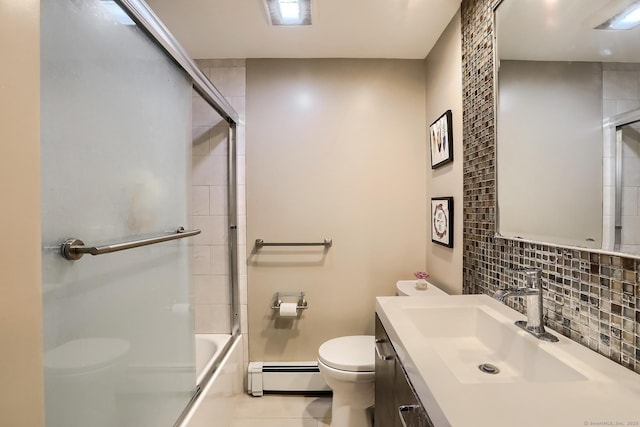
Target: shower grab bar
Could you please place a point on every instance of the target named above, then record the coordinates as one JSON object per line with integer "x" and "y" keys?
{"x": 327, "y": 243}
{"x": 74, "y": 249}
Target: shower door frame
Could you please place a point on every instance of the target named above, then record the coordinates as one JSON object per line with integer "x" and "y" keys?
{"x": 147, "y": 20}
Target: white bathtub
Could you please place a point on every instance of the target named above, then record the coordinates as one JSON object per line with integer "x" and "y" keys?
{"x": 214, "y": 405}
{"x": 208, "y": 346}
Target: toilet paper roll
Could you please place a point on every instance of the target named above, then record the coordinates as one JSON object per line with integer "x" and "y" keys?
{"x": 288, "y": 309}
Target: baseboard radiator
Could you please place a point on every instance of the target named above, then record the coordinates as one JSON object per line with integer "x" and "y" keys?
{"x": 285, "y": 377}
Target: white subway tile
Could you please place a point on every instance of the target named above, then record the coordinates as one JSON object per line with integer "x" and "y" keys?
{"x": 609, "y": 108}
{"x": 630, "y": 201}
{"x": 209, "y": 170}
{"x": 201, "y": 260}
{"x": 214, "y": 230}
{"x": 218, "y": 200}
{"x": 631, "y": 171}
{"x": 230, "y": 81}
{"x": 221, "y": 316}
{"x": 219, "y": 140}
{"x": 220, "y": 259}
{"x": 238, "y": 104}
{"x": 200, "y": 200}
{"x": 620, "y": 85}
{"x": 200, "y": 137}
{"x": 212, "y": 290}
{"x": 624, "y": 106}
{"x": 203, "y": 319}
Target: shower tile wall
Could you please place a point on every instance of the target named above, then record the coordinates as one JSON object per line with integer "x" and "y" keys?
{"x": 591, "y": 298}
{"x": 209, "y": 205}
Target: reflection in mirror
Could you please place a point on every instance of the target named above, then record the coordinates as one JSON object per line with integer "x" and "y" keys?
{"x": 568, "y": 158}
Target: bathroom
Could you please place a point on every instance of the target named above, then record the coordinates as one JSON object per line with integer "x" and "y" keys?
{"x": 379, "y": 237}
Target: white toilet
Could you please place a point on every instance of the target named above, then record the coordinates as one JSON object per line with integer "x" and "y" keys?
{"x": 408, "y": 288}
{"x": 347, "y": 365}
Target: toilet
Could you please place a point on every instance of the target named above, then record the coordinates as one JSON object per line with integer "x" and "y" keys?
{"x": 408, "y": 288}
{"x": 347, "y": 365}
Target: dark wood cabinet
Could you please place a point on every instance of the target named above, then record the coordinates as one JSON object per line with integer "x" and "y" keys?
{"x": 393, "y": 389}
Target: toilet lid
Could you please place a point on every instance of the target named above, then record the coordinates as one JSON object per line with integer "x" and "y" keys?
{"x": 352, "y": 353}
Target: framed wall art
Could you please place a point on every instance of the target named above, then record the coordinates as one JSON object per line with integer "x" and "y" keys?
{"x": 442, "y": 221}
{"x": 441, "y": 140}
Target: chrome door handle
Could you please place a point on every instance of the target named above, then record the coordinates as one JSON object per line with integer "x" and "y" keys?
{"x": 378, "y": 353}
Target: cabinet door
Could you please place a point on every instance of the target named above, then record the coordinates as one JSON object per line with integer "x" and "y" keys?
{"x": 393, "y": 388}
{"x": 385, "y": 408}
{"x": 414, "y": 414}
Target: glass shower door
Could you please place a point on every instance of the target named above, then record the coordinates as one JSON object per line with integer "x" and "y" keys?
{"x": 116, "y": 138}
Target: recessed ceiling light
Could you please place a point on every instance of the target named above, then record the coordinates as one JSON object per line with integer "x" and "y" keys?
{"x": 628, "y": 19}
{"x": 289, "y": 12}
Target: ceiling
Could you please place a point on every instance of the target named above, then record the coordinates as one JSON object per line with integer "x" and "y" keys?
{"x": 405, "y": 29}
{"x": 563, "y": 30}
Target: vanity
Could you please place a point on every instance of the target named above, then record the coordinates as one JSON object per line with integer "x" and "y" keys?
{"x": 461, "y": 361}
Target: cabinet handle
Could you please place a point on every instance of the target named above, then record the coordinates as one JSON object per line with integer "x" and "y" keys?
{"x": 405, "y": 409}
{"x": 379, "y": 354}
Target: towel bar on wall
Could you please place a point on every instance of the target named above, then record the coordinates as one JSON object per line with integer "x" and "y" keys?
{"x": 73, "y": 249}
{"x": 327, "y": 243}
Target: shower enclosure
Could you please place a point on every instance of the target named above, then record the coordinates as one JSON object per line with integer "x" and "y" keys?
{"x": 116, "y": 144}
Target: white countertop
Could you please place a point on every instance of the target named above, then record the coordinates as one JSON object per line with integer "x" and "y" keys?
{"x": 601, "y": 393}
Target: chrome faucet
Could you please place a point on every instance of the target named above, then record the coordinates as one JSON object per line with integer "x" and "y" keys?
{"x": 533, "y": 293}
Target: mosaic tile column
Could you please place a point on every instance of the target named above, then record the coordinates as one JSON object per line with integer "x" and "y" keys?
{"x": 590, "y": 297}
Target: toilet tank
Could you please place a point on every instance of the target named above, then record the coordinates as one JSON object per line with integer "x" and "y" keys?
{"x": 408, "y": 288}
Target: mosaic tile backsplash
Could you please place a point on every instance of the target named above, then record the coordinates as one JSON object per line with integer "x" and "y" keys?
{"x": 592, "y": 298}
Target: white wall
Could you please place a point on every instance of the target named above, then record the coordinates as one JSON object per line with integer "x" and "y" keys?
{"x": 21, "y": 387}
{"x": 443, "y": 91}
{"x": 335, "y": 149}
{"x": 539, "y": 141}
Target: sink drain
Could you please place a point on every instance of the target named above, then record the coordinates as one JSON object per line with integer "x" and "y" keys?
{"x": 488, "y": 368}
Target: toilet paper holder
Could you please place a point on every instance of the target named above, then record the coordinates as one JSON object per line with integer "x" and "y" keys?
{"x": 277, "y": 300}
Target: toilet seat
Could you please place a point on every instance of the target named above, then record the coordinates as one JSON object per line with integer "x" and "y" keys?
{"x": 351, "y": 353}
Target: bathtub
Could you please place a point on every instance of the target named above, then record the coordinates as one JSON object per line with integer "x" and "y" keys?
{"x": 208, "y": 348}
{"x": 213, "y": 406}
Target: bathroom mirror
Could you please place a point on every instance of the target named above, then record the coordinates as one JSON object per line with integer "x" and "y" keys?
{"x": 568, "y": 91}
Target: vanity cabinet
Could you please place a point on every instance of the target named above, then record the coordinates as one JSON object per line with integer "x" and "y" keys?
{"x": 393, "y": 391}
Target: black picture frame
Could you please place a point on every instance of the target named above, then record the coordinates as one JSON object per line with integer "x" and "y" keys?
{"x": 442, "y": 221}
{"x": 441, "y": 140}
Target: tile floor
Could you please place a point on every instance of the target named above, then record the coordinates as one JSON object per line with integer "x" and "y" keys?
{"x": 282, "y": 411}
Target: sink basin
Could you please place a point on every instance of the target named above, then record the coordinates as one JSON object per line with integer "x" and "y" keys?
{"x": 442, "y": 340}
{"x": 469, "y": 337}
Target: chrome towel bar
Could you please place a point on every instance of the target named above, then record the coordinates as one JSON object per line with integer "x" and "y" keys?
{"x": 327, "y": 243}
{"x": 74, "y": 249}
